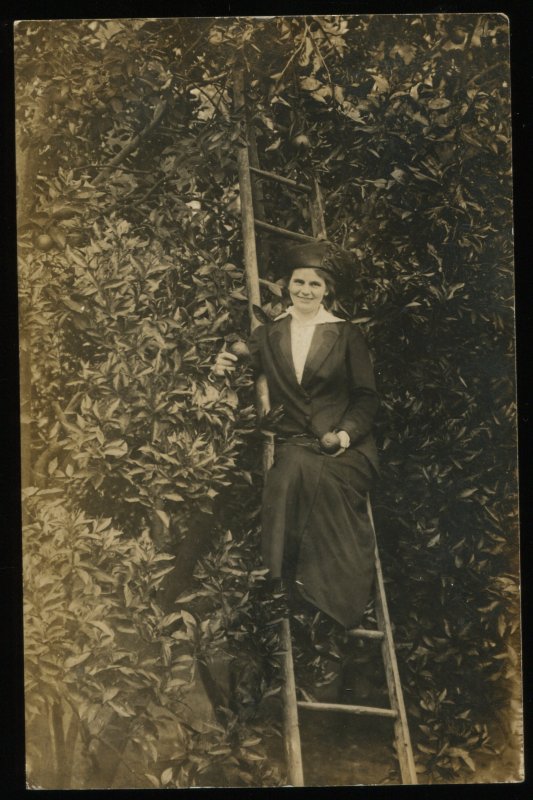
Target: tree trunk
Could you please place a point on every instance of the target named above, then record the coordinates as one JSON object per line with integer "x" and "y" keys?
{"x": 59, "y": 743}
{"x": 27, "y": 159}
{"x": 71, "y": 739}
{"x": 195, "y": 545}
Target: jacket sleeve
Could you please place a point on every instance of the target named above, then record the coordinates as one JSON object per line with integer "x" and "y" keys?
{"x": 364, "y": 401}
{"x": 254, "y": 346}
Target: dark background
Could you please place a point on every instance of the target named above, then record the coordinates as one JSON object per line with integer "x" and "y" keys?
{"x": 521, "y": 18}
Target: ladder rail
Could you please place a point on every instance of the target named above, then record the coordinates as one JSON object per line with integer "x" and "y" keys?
{"x": 247, "y": 207}
{"x": 291, "y": 725}
{"x": 316, "y": 209}
{"x": 290, "y": 709}
{"x": 392, "y": 673}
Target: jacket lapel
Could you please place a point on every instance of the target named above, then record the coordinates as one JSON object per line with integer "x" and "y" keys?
{"x": 324, "y": 338}
{"x": 280, "y": 339}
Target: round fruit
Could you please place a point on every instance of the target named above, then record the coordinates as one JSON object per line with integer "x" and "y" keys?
{"x": 458, "y": 36}
{"x": 44, "y": 242}
{"x": 239, "y": 349}
{"x": 330, "y": 443}
{"x": 301, "y": 140}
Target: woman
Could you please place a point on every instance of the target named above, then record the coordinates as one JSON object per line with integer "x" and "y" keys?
{"x": 316, "y": 534}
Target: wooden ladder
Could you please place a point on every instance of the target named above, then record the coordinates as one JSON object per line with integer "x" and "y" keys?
{"x": 249, "y": 171}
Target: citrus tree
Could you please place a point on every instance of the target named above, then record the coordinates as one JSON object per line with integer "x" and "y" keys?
{"x": 131, "y": 278}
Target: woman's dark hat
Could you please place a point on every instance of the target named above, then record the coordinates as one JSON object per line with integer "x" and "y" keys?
{"x": 316, "y": 255}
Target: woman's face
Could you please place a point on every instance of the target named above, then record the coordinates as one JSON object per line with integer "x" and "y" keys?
{"x": 307, "y": 290}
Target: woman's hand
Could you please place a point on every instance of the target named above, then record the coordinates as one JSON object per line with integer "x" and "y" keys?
{"x": 224, "y": 363}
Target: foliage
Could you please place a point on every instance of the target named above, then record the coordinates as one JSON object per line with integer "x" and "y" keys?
{"x": 232, "y": 622}
{"x": 96, "y": 644}
{"x": 127, "y": 143}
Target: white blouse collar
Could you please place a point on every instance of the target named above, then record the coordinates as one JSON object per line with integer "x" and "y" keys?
{"x": 320, "y": 317}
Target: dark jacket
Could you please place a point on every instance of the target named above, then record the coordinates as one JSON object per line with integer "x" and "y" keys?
{"x": 337, "y": 391}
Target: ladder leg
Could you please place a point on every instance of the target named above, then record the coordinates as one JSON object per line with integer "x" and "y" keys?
{"x": 291, "y": 728}
{"x": 247, "y": 203}
{"x": 401, "y": 726}
{"x": 317, "y": 212}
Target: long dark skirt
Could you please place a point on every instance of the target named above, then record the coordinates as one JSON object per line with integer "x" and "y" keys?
{"x": 315, "y": 528}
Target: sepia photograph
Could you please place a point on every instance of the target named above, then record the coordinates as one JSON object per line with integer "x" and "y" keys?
{"x": 268, "y": 401}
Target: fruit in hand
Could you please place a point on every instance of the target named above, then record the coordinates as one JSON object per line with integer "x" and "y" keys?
{"x": 239, "y": 349}
{"x": 330, "y": 443}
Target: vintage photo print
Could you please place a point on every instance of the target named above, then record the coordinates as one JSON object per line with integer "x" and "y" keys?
{"x": 267, "y": 366}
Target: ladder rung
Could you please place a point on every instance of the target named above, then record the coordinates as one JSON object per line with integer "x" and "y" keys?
{"x": 301, "y": 237}
{"x": 368, "y": 711}
{"x": 365, "y": 633}
{"x": 273, "y": 176}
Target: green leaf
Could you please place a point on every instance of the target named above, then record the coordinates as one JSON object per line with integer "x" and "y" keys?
{"x": 74, "y": 661}
{"x": 163, "y": 516}
{"x": 117, "y": 447}
{"x": 188, "y": 618}
{"x": 167, "y": 775}
{"x": 439, "y": 103}
{"x": 102, "y": 626}
{"x": 467, "y": 492}
{"x": 310, "y": 84}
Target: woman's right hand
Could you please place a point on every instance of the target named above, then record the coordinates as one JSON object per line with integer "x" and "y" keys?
{"x": 224, "y": 363}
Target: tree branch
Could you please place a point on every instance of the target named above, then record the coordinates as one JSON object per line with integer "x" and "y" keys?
{"x": 289, "y": 62}
{"x": 120, "y": 757}
{"x": 319, "y": 54}
{"x": 102, "y": 167}
{"x": 159, "y": 112}
{"x": 479, "y": 75}
{"x": 128, "y": 148}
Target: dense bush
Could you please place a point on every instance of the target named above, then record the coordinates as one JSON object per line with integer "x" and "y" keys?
{"x": 131, "y": 277}
{"x": 96, "y": 645}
